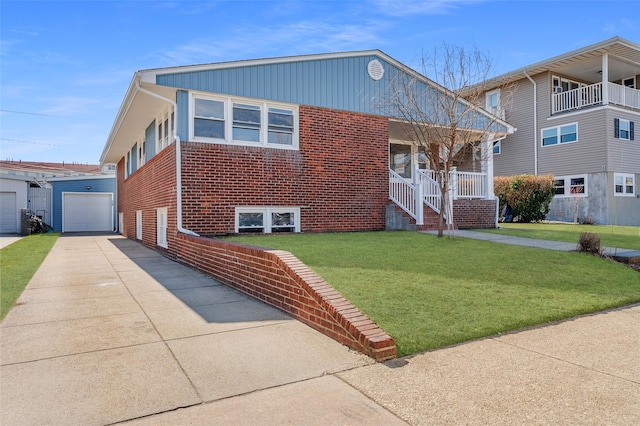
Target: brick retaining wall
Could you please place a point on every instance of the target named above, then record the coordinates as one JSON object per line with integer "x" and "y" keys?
{"x": 281, "y": 280}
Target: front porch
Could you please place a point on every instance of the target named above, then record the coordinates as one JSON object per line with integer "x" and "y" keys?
{"x": 470, "y": 202}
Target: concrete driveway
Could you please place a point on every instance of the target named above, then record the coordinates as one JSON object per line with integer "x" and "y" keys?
{"x": 108, "y": 331}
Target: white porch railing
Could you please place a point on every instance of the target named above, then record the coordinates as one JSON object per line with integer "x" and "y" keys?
{"x": 425, "y": 189}
{"x": 470, "y": 184}
{"x": 403, "y": 193}
{"x": 593, "y": 95}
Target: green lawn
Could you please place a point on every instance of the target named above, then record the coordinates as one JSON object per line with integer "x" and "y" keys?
{"x": 610, "y": 236}
{"x": 18, "y": 263}
{"x": 428, "y": 292}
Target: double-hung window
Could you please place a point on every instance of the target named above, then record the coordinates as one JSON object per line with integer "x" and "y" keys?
{"x": 246, "y": 122}
{"x": 571, "y": 186}
{"x": 164, "y": 129}
{"x": 243, "y": 122}
{"x": 623, "y": 129}
{"x": 208, "y": 121}
{"x": 267, "y": 219}
{"x": 492, "y": 103}
{"x": 280, "y": 126}
{"x": 624, "y": 184}
{"x": 560, "y": 134}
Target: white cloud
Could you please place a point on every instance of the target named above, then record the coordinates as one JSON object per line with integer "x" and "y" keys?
{"x": 400, "y": 8}
{"x": 260, "y": 41}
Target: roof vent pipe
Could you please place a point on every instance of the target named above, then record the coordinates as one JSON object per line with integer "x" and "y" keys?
{"x": 178, "y": 158}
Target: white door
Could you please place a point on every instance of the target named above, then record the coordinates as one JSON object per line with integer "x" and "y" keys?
{"x": 87, "y": 211}
{"x": 8, "y": 213}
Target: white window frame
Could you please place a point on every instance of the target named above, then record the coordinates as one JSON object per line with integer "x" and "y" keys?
{"x": 558, "y": 132}
{"x": 267, "y": 226}
{"x": 625, "y": 80}
{"x": 497, "y": 144}
{"x": 138, "y": 224}
{"x": 627, "y": 128}
{"x": 493, "y": 109}
{"x": 568, "y": 193}
{"x": 164, "y": 128}
{"x": 228, "y": 120}
{"x": 571, "y": 84}
{"x": 162, "y": 220}
{"x": 141, "y": 150}
{"x": 624, "y": 177}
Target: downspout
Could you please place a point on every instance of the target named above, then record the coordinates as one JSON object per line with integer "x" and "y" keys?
{"x": 535, "y": 124}
{"x": 178, "y": 158}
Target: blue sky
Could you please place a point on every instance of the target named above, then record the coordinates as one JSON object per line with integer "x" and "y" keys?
{"x": 66, "y": 65}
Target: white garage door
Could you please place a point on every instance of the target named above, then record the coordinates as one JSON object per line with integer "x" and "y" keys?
{"x": 8, "y": 213}
{"x": 87, "y": 212}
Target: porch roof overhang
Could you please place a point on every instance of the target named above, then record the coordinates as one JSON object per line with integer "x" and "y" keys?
{"x": 500, "y": 131}
{"x": 584, "y": 64}
{"x": 136, "y": 108}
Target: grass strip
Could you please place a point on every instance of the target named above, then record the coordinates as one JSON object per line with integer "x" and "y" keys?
{"x": 19, "y": 261}
{"x": 429, "y": 293}
{"x": 627, "y": 237}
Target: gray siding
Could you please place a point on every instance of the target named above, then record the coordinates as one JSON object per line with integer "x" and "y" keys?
{"x": 623, "y": 155}
{"x": 586, "y": 155}
{"x": 517, "y": 150}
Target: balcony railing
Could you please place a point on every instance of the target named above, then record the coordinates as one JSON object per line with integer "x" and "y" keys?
{"x": 586, "y": 96}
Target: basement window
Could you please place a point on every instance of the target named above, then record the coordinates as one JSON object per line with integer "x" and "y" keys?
{"x": 624, "y": 184}
{"x": 267, "y": 219}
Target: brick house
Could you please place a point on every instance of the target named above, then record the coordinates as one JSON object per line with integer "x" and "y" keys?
{"x": 294, "y": 144}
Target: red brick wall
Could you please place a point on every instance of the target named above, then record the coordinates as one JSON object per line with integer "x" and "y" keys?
{"x": 474, "y": 214}
{"x": 338, "y": 178}
{"x": 151, "y": 187}
{"x": 281, "y": 280}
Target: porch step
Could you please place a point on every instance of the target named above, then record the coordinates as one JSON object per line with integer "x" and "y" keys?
{"x": 398, "y": 220}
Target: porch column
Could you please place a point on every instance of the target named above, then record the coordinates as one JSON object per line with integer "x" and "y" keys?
{"x": 605, "y": 79}
{"x": 419, "y": 195}
{"x": 486, "y": 154}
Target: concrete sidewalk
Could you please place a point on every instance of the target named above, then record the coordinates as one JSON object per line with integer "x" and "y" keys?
{"x": 108, "y": 331}
{"x": 532, "y": 242}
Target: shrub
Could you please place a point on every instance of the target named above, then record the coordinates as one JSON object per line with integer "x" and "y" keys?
{"x": 589, "y": 243}
{"x": 528, "y": 196}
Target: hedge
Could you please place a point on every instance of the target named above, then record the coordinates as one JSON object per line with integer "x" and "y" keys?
{"x": 528, "y": 196}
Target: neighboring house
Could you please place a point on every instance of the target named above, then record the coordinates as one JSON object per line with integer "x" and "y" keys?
{"x": 576, "y": 116}
{"x": 70, "y": 197}
{"x": 295, "y": 144}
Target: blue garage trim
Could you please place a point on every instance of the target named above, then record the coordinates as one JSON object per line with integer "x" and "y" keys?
{"x": 95, "y": 185}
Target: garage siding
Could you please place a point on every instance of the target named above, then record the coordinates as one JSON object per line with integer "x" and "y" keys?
{"x": 80, "y": 186}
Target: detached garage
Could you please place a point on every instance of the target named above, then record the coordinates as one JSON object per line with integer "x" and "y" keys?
{"x": 82, "y": 204}
{"x": 87, "y": 211}
{"x": 8, "y": 209}
{"x": 13, "y": 197}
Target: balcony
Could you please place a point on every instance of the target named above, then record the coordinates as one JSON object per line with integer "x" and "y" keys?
{"x": 588, "y": 96}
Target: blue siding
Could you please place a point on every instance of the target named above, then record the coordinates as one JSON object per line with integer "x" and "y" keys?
{"x": 97, "y": 185}
{"x": 339, "y": 83}
{"x": 150, "y": 141}
{"x": 134, "y": 158}
{"x": 182, "y": 99}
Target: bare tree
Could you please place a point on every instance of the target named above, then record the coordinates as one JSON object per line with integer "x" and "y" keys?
{"x": 442, "y": 113}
